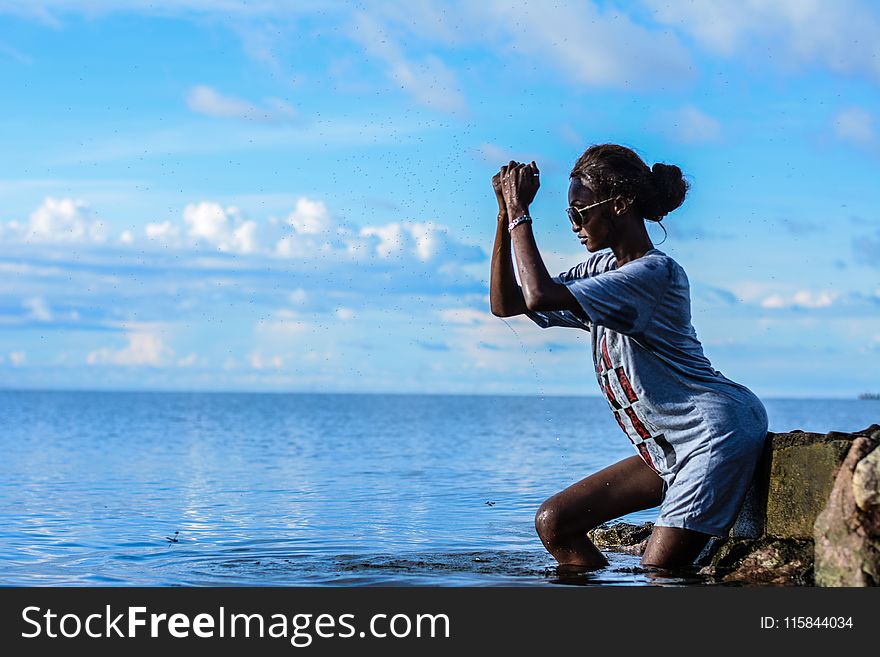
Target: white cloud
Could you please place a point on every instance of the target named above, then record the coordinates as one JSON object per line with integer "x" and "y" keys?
{"x": 187, "y": 361}
{"x": 145, "y": 347}
{"x": 344, "y": 314}
{"x": 258, "y": 361}
{"x": 428, "y": 81}
{"x": 807, "y": 299}
{"x": 317, "y": 234}
{"x": 587, "y": 44}
{"x": 298, "y": 297}
{"x": 224, "y": 228}
{"x": 491, "y": 343}
{"x": 283, "y": 322}
{"x": 467, "y": 316}
{"x": 589, "y": 41}
{"x": 774, "y": 301}
{"x": 856, "y": 125}
{"x": 17, "y": 358}
{"x": 163, "y": 232}
{"x": 314, "y": 235}
{"x": 494, "y": 154}
{"x": 206, "y": 100}
{"x": 840, "y": 36}
{"x": 58, "y": 220}
{"x": 38, "y": 308}
{"x": 309, "y": 217}
{"x": 800, "y": 299}
{"x": 693, "y": 126}
{"x": 422, "y": 241}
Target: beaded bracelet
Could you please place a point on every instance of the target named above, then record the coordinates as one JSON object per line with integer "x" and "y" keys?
{"x": 516, "y": 222}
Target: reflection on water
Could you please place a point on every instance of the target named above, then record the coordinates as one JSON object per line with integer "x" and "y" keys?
{"x": 309, "y": 489}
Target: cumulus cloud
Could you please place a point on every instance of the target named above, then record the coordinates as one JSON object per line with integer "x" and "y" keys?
{"x": 207, "y": 224}
{"x": 224, "y": 228}
{"x": 855, "y": 125}
{"x": 206, "y": 100}
{"x": 424, "y": 242}
{"x": 315, "y": 233}
{"x": 259, "y": 361}
{"x": 145, "y": 347}
{"x": 309, "y": 217}
{"x": 57, "y": 220}
{"x": 163, "y": 232}
{"x": 800, "y": 299}
{"x": 311, "y": 234}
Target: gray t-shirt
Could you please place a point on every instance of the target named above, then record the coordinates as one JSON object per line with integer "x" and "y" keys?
{"x": 649, "y": 364}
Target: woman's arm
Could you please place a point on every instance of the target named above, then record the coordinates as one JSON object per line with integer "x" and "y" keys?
{"x": 539, "y": 290}
{"x": 505, "y": 294}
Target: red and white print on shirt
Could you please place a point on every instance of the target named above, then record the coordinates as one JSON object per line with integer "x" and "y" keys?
{"x": 625, "y": 403}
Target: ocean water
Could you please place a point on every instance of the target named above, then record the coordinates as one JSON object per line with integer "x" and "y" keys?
{"x": 193, "y": 489}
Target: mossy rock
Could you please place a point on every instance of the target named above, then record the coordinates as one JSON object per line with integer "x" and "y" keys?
{"x": 621, "y": 536}
{"x": 801, "y": 475}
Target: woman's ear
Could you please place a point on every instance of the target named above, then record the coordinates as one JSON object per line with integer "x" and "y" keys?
{"x": 621, "y": 205}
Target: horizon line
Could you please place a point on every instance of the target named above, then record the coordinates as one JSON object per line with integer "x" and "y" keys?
{"x": 370, "y": 393}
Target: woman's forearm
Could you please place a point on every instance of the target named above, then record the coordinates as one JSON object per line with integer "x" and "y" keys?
{"x": 505, "y": 295}
{"x": 538, "y": 288}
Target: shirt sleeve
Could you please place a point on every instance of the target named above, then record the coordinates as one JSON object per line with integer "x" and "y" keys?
{"x": 564, "y": 318}
{"x": 624, "y": 299}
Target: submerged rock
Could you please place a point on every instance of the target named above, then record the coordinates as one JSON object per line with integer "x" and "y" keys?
{"x": 621, "y": 537}
{"x": 763, "y": 561}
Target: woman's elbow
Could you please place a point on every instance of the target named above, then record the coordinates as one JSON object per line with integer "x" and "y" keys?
{"x": 534, "y": 300}
{"x": 497, "y": 308}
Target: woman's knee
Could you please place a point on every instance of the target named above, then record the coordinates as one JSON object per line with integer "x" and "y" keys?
{"x": 549, "y": 521}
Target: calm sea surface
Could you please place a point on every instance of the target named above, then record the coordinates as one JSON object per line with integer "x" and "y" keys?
{"x": 275, "y": 489}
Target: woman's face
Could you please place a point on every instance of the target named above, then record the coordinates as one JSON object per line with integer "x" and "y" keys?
{"x": 596, "y": 230}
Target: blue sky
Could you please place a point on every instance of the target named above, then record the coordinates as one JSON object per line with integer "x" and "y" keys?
{"x": 295, "y": 196}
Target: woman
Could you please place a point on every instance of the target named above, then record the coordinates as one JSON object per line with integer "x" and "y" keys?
{"x": 698, "y": 435}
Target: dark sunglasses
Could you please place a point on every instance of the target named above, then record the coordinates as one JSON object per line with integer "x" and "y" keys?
{"x": 576, "y": 216}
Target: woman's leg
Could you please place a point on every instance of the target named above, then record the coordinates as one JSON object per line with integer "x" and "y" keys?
{"x": 563, "y": 520}
{"x": 671, "y": 547}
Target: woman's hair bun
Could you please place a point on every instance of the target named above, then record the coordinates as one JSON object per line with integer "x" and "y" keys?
{"x": 669, "y": 189}
{"x": 611, "y": 169}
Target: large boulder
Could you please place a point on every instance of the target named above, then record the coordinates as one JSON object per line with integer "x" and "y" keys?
{"x": 791, "y": 484}
{"x": 847, "y": 531}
